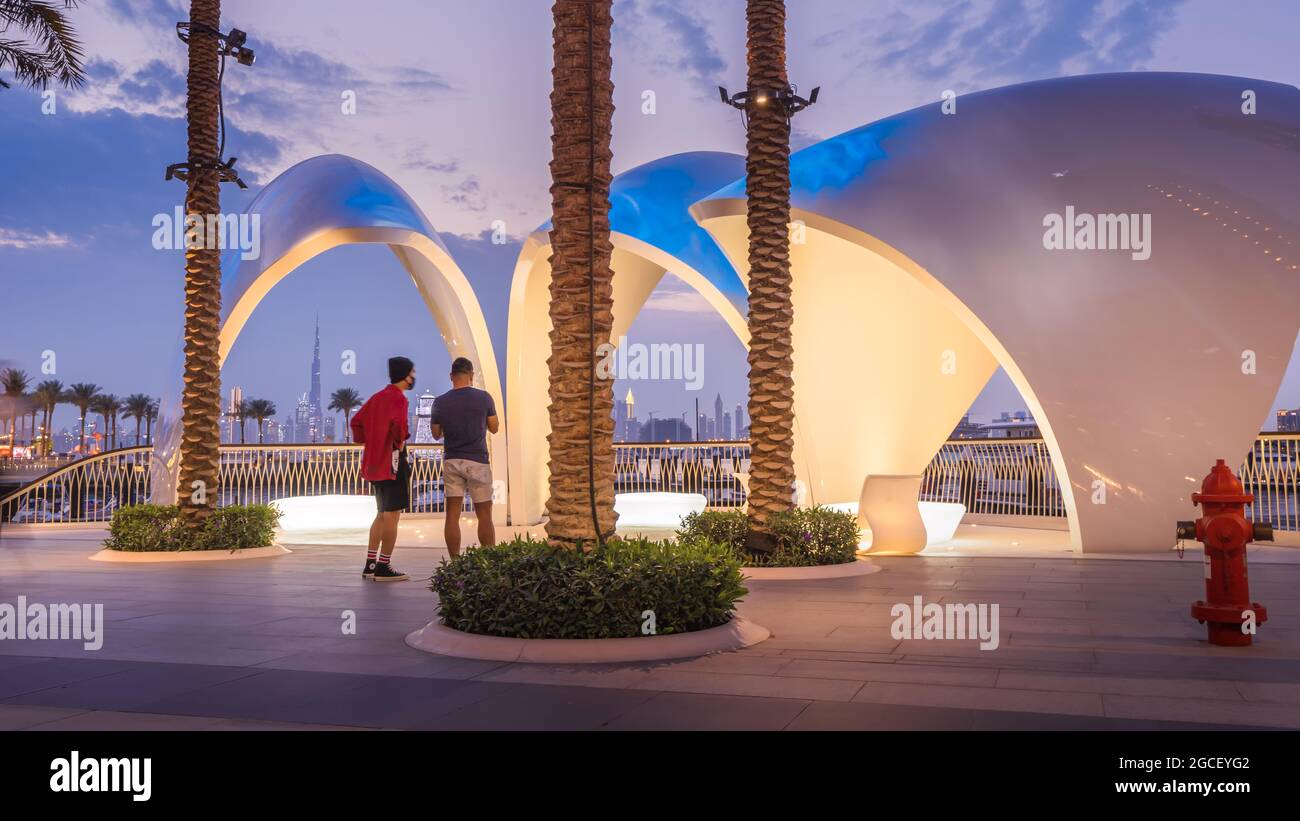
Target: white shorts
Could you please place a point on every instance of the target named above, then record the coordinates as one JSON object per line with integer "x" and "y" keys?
{"x": 461, "y": 475}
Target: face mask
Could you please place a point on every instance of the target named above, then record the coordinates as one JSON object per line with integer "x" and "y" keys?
{"x": 412, "y": 387}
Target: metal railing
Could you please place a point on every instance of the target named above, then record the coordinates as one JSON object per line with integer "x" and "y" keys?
{"x": 999, "y": 477}
{"x": 707, "y": 468}
{"x": 1272, "y": 473}
{"x": 90, "y": 489}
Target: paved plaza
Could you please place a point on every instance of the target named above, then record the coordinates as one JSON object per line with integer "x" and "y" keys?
{"x": 1085, "y": 643}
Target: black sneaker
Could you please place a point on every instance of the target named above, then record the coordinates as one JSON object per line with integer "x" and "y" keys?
{"x": 369, "y": 570}
{"x": 388, "y": 573}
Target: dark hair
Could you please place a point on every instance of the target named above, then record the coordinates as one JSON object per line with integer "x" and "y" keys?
{"x": 461, "y": 365}
{"x": 399, "y": 367}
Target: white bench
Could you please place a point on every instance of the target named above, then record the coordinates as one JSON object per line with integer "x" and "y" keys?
{"x": 338, "y": 512}
{"x": 658, "y": 510}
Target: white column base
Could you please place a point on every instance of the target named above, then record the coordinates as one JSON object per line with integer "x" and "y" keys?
{"x": 888, "y": 507}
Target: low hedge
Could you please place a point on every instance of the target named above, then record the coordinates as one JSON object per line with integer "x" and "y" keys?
{"x": 527, "y": 589}
{"x": 141, "y": 528}
{"x": 806, "y": 537}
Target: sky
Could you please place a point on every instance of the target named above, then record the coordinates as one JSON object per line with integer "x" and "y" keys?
{"x": 452, "y": 103}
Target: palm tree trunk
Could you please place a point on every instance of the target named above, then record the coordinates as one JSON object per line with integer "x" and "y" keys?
{"x": 137, "y": 431}
{"x": 83, "y": 432}
{"x": 581, "y": 503}
{"x": 771, "y": 313}
{"x": 201, "y": 399}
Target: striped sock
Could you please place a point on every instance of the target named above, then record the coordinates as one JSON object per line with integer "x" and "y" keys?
{"x": 383, "y": 560}
{"x": 371, "y": 554}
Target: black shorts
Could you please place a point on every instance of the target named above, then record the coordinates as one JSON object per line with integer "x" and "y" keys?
{"x": 395, "y": 494}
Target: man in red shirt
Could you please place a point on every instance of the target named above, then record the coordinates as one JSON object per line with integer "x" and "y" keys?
{"x": 381, "y": 426}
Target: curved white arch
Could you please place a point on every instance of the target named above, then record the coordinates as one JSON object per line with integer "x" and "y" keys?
{"x": 638, "y": 267}
{"x": 318, "y": 205}
{"x": 883, "y": 367}
{"x": 652, "y": 233}
{"x": 1141, "y": 369}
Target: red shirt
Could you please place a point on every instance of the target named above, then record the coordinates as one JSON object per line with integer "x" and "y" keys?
{"x": 381, "y": 426}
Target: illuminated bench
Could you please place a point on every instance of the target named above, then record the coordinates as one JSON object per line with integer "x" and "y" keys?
{"x": 338, "y": 512}
{"x": 658, "y": 511}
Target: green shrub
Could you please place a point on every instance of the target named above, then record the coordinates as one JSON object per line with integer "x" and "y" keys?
{"x": 805, "y": 536}
{"x": 528, "y": 589}
{"x": 141, "y": 528}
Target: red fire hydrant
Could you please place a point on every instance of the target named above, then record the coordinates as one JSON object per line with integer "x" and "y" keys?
{"x": 1224, "y": 530}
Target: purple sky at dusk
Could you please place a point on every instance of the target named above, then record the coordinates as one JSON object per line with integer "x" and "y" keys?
{"x": 452, "y": 103}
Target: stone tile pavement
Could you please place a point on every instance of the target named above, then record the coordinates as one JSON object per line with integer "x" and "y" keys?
{"x": 257, "y": 644}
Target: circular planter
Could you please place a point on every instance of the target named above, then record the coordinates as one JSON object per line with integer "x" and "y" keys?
{"x": 435, "y": 637}
{"x": 160, "y": 556}
{"x": 844, "y": 570}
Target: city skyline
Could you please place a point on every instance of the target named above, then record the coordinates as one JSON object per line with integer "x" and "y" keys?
{"x": 68, "y": 224}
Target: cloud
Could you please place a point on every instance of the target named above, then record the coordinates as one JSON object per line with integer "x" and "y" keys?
{"x": 417, "y": 161}
{"x": 466, "y": 194}
{"x": 26, "y": 240}
{"x": 676, "y": 297}
{"x": 153, "y": 83}
{"x": 982, "y": 43}
{"x": 675, "y": 35}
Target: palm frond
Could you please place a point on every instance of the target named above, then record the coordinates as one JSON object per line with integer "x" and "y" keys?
{"x": 53, "y": 53}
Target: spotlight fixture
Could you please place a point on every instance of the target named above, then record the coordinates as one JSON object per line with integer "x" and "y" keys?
{"x": 225, "y": 171}
{"x": 230, "y": 45}
{"x": 787, "y": 97}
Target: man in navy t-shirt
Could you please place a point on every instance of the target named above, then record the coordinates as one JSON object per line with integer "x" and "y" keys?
{"x": 462, "y": 418}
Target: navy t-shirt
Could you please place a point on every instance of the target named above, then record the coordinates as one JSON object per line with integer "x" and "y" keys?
{"x": 463, "y": 415}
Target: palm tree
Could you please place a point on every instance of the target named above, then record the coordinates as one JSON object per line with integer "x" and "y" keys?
{"x": 200, "y": 454}
{"x": 50, "y": 51}
{"x": 240, "y": 412}
{"x": 771, "y": 312}
{"x": 136, "y": 406}
{"x": 581, "y": 504}
{"x": 82, "y": 394}
{"x": 261, "y": 410}
{"x": 48, "y": 395}
{"x": 106, "y": 406}
{"x": 34, "y": 410}
{"x": 118, "y": 407}
{"x": 151, "y": 415}
{"x": 15, "y": 383}
{"x": 345, "y": 400}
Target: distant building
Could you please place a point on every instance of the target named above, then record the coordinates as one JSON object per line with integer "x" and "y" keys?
{"x": 315, "y": 416}
{"x": 742, "y": 430}
{"x": 966, "y": 429}
{"x": 302, "y": 428}
{"x": 1018, "y": 425}
{"x": 230, "y": 415}
{"x": 1288, "y": 421}
{"x": 666, "y": 430}
{"x": 726, "y": 426}
{"x": 626, "y": 426}
{"x": 424, "y": 419}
